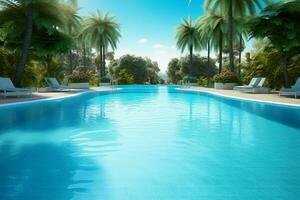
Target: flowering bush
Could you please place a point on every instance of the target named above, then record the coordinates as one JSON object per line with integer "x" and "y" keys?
{"x": 226, "y": 77}
{"x": 80, "y": 77}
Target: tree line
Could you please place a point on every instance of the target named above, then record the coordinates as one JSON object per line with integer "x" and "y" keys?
{"x": 227, "y": 25}
{"x": 41, "y": 36}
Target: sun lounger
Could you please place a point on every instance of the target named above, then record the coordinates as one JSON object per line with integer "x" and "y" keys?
{"x": 293, "y": 91}
{"x": 254, "y": 82}
{"x": 7, "y": 88}
{"x": 54, "y": 85}
{"x": 256, "y": 87}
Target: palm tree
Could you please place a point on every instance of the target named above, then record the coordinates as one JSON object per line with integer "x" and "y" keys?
{"x": 24, "y": 16}
{"x": 101, "y": 32}
{"x": 241, "y": 34}
{"x": 10, "y": 7}
{"x": 188, "y": 37}
{"x": 233, "y": 8}
{"x": 213, "y": 27}
{"x": 73, "y": 23}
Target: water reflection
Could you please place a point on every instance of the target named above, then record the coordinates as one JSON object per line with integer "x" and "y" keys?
{"x": 45, "y": 171}
{"x": 55, "y": 152}
{"x": 289, "y": 116}
{"x": 154, "y": 145}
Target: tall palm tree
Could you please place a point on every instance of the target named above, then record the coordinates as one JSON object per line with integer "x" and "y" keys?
{"x": 233, "y": 8}
{"x": 101, "y": 33}
{"x": 26, "y": 16}
{"x": 188, "y": 37}
{"x": 73, "y": 23}
{"x": 10, "y": 7}
{"x": 213, "y": 27}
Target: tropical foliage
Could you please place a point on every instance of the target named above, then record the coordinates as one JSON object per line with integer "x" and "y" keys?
{"x": 135, "y": 70}
{"x": 212, "y": 27}
{"x": 280, "y": 24}
{"x": 125, "y": 78}
{"x": 33, "y": 25}
{"x": 178, "y": 69}
{"x": 266, "y": 61}
{"x": 101, "y": 33}
{"x": 226, "y": 26}
{"x": 233, "y": 9}
{"x": 187, "y": 36}
{"x": 41, "y": 38}
{"x": 50, "y": 37}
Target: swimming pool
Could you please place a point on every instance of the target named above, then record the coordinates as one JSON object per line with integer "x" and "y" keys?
{"x": 149, "y": 142}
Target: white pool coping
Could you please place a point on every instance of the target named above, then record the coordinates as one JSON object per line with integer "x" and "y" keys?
{"x": 191, "y": 90}
{"x": 238, "y": 98}
{"x": 59, "y": 97}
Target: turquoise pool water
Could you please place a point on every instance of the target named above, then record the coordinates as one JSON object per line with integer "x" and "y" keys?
{"x": 148, "y": 142}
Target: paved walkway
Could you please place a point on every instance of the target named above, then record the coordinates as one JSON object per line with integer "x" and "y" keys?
{"x": 274, "y": 97}
{"x": 46, "y": 95}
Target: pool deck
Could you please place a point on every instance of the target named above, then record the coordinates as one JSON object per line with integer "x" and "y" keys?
{"x": 48, "y": 95}
{"x": 273, "y": 97}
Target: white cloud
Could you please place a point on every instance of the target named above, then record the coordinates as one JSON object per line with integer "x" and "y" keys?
{"x": 143, "y": 41}
{"x": 159, "y": 46}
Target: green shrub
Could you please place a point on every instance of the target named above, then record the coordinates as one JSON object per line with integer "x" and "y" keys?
{"x": 94, "y": 81}
{"x": 226, "y": 77}
{"x": 202, "y": 81}
{"x": 105, "y": 80}
{"x": 190, "y": 79}
{"x": 125, "y": 78}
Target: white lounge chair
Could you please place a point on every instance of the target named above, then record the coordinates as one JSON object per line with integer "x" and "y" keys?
{"x": 257, "y": 87}
{"x": 253, "y": 83}
{"x": 54, "y": 85}
{"x": 293, "y": 91}
{"x": 7, "y": 89}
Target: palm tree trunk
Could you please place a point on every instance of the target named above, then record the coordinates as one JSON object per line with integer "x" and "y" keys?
{"x": 220, "y": 51}
{"x": 285, "y": 69}
{"x": 84, "y": 56}
{"x": 230, "y": 35}
{"x": 191, "y": 60}
{"x": 70, "y": 52}
{"x": 70, "y": 62}
{"x": 240, "y": 55}
{"x": 240, "y": 49}
{"x": 208, "y": 53}
{"x": 103, "y": 63}
{"x": 48, "y": 63}
{"x": 100, "y": 62}
{"x": 25, "y": 48}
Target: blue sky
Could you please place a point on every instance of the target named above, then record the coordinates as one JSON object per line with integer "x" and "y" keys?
{"x": 147, "y": 26}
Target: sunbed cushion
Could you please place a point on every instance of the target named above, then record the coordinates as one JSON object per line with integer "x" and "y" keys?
{"x": 54, "y": 83}
{"x": 297, "y": 84}
{"x": 261, "y": 82}
{"x": 295, "y": 88}
{"x": 253, "y": 81}
{"x": 6, "y": 83}
{"x": 257, "y": 81}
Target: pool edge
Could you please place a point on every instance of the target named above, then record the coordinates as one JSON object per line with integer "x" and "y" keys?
{"x": 238, "y": 98}
{"x": 58, "y": 98}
